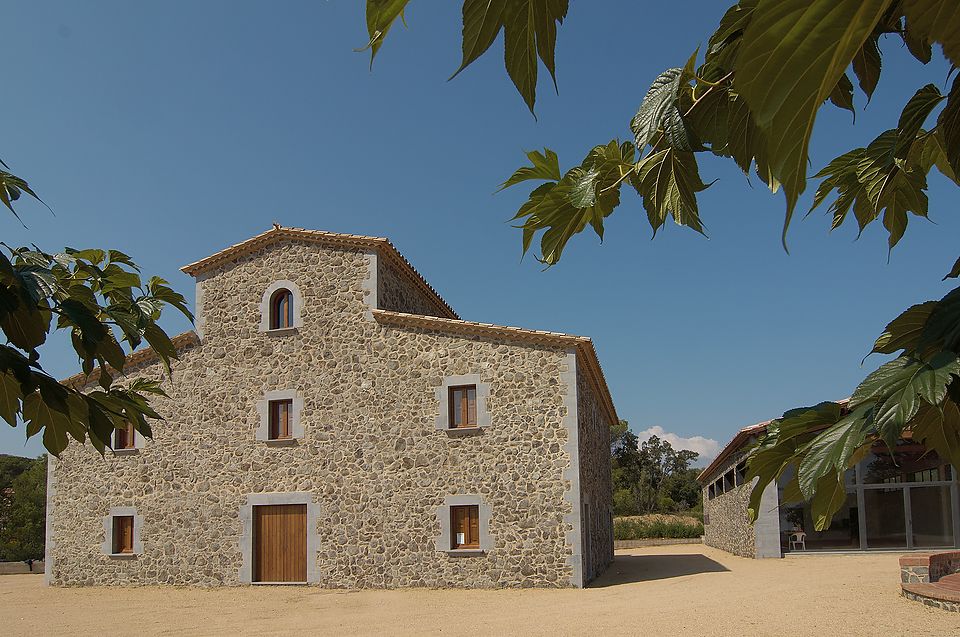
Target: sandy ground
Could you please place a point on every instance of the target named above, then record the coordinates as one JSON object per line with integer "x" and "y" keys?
{"x": 668, "y": 590}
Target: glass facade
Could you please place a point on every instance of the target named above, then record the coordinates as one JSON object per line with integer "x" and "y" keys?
{"x": 900, "y": 498}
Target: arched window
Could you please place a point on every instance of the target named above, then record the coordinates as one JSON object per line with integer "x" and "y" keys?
{"x": 281, "y": 309}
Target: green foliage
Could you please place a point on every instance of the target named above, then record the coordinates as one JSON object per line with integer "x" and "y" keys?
{"x": 766, "y": 71}
{"x": 650, "y": 527}
{"x": 23, "y": 484}
{"x": 100, "y": 299}
{"x": 650, "y": 477}
{"x": 529, "y": 32}
{"x": 915, "y": 393}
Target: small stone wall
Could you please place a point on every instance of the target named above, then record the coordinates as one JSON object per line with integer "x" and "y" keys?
{"x": 919, "y": 575}
{"x": 20, "y": 568}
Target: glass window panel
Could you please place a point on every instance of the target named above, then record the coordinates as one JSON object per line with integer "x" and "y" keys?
{"x": 844, "y": 531}
{"x": 886, "y": 522}
{"x": 909, "y": 462}
{"x": 931, "y": 512}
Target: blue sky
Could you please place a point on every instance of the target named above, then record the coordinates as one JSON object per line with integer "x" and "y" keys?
{"x": 171, "y": 130}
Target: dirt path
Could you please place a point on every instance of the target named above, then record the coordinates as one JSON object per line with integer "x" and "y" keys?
{"x": 668, "y": 590}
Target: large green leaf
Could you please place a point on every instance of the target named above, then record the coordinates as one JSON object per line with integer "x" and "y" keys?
{"x": 936, "y": 21}
{"x": 797, "y": 422}
{"x": 927, "y": 151}
{"x": 913, "y": 116}
{"x": 792, "y": 56}
{"x": 831, "y": 450}
{"x": 866, "y": 65}
{"x": 482, "y": 21}
{"x": 381, "y": 14}
{"x": 948, "y": 124}
{"x": 954, "y": 271}
{"x": 10, "y": 396}
{"x": 668, "y": 182}
{"x": 898, "y": 386}
{"x": 544, "y": 165}
{"x": 938, "y": 427}
{"x": 903, "y": 332}
{"x": 530, "y": 32}
{"x": 39, "y": 414}
{"x": 661, "y": 97}
{"x": 943, "y": 327}
{"x": 586, "y": 194}
{"x": 842, "y": 95}
{"x": 829, "y": 497}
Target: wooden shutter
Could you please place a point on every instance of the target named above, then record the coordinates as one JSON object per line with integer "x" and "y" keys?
{"x": 463, "y": 406}
{"x": 465, "y": 525}
{"x": 124, "y": 438}
{"x": 474, "y": 526}
{"x": 281, "y": 310}
{"x": 123, "y": 534}
{"x": 280, "y": 425}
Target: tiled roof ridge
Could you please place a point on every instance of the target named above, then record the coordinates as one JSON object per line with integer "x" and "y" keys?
{"x": 382, "y": 245}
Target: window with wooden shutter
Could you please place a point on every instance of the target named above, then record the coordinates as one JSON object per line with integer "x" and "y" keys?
{"x": 465, "y": 527}
{"x": 125, "y": 438}
{"x": 463, "y": 406}
{"x": 281, "y": 310}
{"x": 280, "y": 412}
{"x": 123, "y": 534}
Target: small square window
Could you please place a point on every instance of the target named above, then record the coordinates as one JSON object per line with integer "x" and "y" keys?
{"x": 280, "y": 419}
{"x": 125, "y": 438}
{"x": 465, "y": 527}
{"x": 463, "y": 406}
{"x": 122, "y": 534}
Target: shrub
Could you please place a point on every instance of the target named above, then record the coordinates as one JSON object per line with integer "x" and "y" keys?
{"x": 656, "y": 526}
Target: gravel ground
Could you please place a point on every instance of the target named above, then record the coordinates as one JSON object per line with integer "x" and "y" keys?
{"x": 668, "y": 590}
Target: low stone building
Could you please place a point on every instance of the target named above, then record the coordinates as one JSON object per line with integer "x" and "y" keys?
{"x": 332, "y": 421}
{"x": 899, "y": 498}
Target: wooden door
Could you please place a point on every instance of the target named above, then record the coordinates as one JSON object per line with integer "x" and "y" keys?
{"x": 280, "y": 543}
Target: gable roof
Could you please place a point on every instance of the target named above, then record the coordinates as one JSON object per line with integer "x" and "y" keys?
{"x": 278, "y": 233}
{"x": 733, "y": 446}
{"x": 586, "y": 354}
{"x": 741, "y": 438}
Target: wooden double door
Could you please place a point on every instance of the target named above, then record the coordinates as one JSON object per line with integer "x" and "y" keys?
{"x": 280, "y": 543}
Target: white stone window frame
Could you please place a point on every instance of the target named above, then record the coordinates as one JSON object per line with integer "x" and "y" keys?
{"x": 107, "y": 545}
{"x": 444, "y": 542}
{"x": 246, "y": 536}
{"x": 442, "y": 395}
{"x": 138, "y": 443}
{"x": 265, "y": 309}
{"x": 296, "y": 424}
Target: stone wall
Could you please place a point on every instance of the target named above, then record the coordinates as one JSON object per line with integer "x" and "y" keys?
{"x": 396, "y": 292}
{"x": 371, "y": 456}
{"x": 726, "y": 522}
{"x": 595, "y": 479}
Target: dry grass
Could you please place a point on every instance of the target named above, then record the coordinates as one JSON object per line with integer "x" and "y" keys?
{"x": 668, "y": 590}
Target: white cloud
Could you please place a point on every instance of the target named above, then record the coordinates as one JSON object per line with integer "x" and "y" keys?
{"x": 708, "y": 448}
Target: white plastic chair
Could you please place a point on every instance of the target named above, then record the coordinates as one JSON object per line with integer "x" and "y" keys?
{"x": 798, "y": 541}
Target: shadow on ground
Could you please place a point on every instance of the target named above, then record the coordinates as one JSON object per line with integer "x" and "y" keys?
{"x": 642, "y": 568}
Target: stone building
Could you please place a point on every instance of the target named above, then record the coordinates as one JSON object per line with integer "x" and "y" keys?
{"x": 332, "y": 421}
{"x": 900, "y": 498}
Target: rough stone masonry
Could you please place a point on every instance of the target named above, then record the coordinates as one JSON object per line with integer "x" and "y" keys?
{"x": 370, "y": 346}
